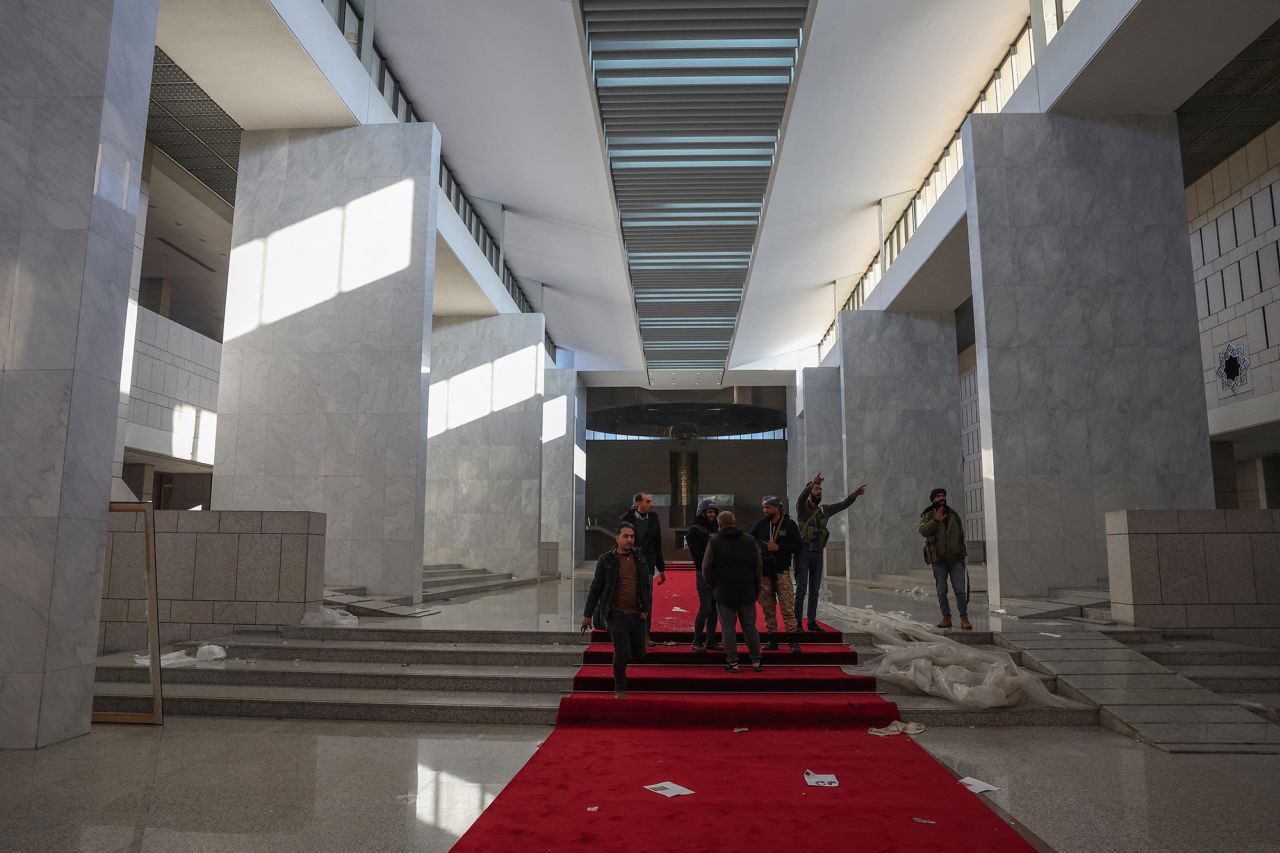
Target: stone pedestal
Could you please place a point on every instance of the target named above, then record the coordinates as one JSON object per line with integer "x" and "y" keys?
{"x": 1091, "y": 394}
{"x": 484, "y": 472}
{"x": 322, "y": 402}
{"x": 74, "y": 84}
{"x": 563, "y": 472}
{"x": 901, "y": 431}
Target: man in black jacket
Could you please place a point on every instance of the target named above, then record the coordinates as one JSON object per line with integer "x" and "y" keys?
{"x": 780, "y": 538}
{"x": 648, "y": 542}
{"x": 812, "y": 514}
{"x": 732, "y": 566}
{"x": 619, "y": 601}
{"x": 696, "y": 537}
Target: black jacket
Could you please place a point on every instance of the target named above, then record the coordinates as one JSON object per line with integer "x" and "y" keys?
{"x": 788, "y": 544}
{"x": 604, "y": 586}
{"x": 697, "y": 537}
{"x": 733, "y": 567}
{"x": 648, "y": 537}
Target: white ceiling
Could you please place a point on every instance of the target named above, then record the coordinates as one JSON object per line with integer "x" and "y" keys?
{"x": 881, "y": 88}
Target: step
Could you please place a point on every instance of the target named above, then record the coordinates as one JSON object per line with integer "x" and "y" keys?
{"x": 358, "y": 591}
{"x": 1206, "y": 653}
{"x": 685, "y": 638}
{"x": 1234, "y": 678}
{"x": 430, "y": 567}
{"x": 471, "y": 654}
{"x": 714, "y": 679}
{"x": 817, "y": 653}
{"x": 815, "y": 711}
{"x": 433, "y": 592}
{"x": 454, "y": 577}
{"x": 1263, "y": 705}
{"x": 385, "y": 633}
{"x": 943, "y": 713}
{"x": 354, "y": 675}
{"x": 418, "y": 706}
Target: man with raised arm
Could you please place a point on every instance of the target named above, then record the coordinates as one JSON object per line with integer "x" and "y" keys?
{"x": 812, "y": 515}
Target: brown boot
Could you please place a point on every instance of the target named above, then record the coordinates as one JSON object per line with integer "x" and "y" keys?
{"x": 965, "y": 623}
{"x": 945, "y": 623}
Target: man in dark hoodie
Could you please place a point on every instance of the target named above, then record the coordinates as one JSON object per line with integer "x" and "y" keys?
{"x": 812, "y": 514}
{"x": 618, "y": 602}
{"x": 648, "y": 542}
{"x": 733, "y": 567}
{"x": 779, "y": 536}
{"x": 946, "y": 551}
{"x": 696, "y": 537}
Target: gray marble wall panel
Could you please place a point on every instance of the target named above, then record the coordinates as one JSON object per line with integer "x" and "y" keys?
{"x": 1090, "y": 391}
{"x": 484, "y": 473}
{"x": 901, "y": 430}
{"x": 74, "y": 83}
{"x": 322, "y": 402}
{"x": 563, "y": 491}
{"x": 822, "y": 442}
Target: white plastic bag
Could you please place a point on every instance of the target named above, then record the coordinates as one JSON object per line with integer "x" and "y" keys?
{"x": 170, "y": 660}
{"x": 211, "y": 652}
{"x": 327, "y": 617}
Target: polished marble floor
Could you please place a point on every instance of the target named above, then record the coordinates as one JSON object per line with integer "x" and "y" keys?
{"x": 226, "y": 785}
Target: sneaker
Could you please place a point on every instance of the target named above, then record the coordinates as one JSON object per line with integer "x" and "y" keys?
{"x": 619, "y": 694}
{"x": 702, "y": 650}
{"x": 757, "y": 666}
{"x": 965, "y": 623}
{"x": 649, "y": 641}
{"x": 715, "y": 647}
{"x": 731, "y": 667}
{"x": 773, "y": 643}
{"x": 945, "y": 623}
{"x": 795, "y": 648}
{"x": 813, "y": 627}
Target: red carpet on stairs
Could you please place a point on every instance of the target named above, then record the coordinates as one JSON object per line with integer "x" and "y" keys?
{"x": 584, "y": 787}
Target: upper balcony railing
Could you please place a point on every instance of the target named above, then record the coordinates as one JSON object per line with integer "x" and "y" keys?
{"x": 1014, "y": 67}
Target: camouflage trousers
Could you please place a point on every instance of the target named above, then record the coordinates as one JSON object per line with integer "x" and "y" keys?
{"x": 778, "y": 592}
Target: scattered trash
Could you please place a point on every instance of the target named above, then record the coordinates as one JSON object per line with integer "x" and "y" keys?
{"x": 977, "y": 785}
{"x": 897, "y": 727}
{"x": 923, "y": 820}
{"x": 1047, "y": 634}
{"x": 327, "y": 617}
{"x": 743, "y": 729}
{"x": 820, "y": 780}
{"x": 669, "y": 643}
{"x": 678, "y": 610}
{"x": 211, "y": 652}
{"x": 669, "y": 789}
{"x": 593, "y": 808}
{"x": 170, "y": 660}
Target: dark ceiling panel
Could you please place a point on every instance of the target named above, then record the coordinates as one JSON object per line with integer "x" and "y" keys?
{"x": 190, "y": 127}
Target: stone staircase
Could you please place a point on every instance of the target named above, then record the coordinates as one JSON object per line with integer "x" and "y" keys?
{"x": 443, "y": 582}
{"x": 1247, "y": 676}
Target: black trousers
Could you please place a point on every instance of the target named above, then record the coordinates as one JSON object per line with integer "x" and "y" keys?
{"x": 627, "y": 631}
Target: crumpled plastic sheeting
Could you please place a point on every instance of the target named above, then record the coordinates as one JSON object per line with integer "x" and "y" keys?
{"x": 204, "y": 653}
{"x": 924, "y": 662}
{"x": 327, "y": 617}
{"x": 897, "y": 727}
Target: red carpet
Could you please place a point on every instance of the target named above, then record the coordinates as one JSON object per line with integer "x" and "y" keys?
{"x": 584, "y": 787}
{"x": 836, "y": 654}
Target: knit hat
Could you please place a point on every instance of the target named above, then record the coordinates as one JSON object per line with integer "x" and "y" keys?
{"x": 936, "y": 492}
{"x": 771, "y": 500}
{"x": 705, "y": 505}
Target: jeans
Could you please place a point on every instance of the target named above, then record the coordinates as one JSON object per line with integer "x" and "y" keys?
{"x": 959, "y": 576}
{"x": 808, "y": 579}
{"x": 704, "y": 624}
{"x": 626, "y": 630}
{"x": 745, "y": 615}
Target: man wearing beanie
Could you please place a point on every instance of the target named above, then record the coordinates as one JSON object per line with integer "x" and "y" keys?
{"x": 696, "y": 537}
{"x": 945, "y": 550}
{"x": 779, "y": 538}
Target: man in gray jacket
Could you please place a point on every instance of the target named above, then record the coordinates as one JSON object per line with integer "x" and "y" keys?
{"x": 733, "y": 567}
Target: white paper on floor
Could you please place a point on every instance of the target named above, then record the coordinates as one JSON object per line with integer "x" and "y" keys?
{"x": 977, "y": 785}
{"x": 897, "y": 727}
{"x": 1047, "y": 634}
{"x": 923, "y": 820}
{"x": 669, "y": 789}
{"x": 917, "y": 658}
{"x": 743, "y": 729}
{"x": 593, "y": 808}
{"x": 678, "y": 610}
{"x": 820, "y": 780}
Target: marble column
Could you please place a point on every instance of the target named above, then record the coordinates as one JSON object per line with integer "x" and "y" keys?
{"x": 822, "y": 443}
{"x": 563, "y": 471}
{"x": 1091, "y": 394}
{"x": 322, "y": 402}
{"x": 901, "y": 431}
{"x": 74, "y": 85}
{"x": 484, "y": 473}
